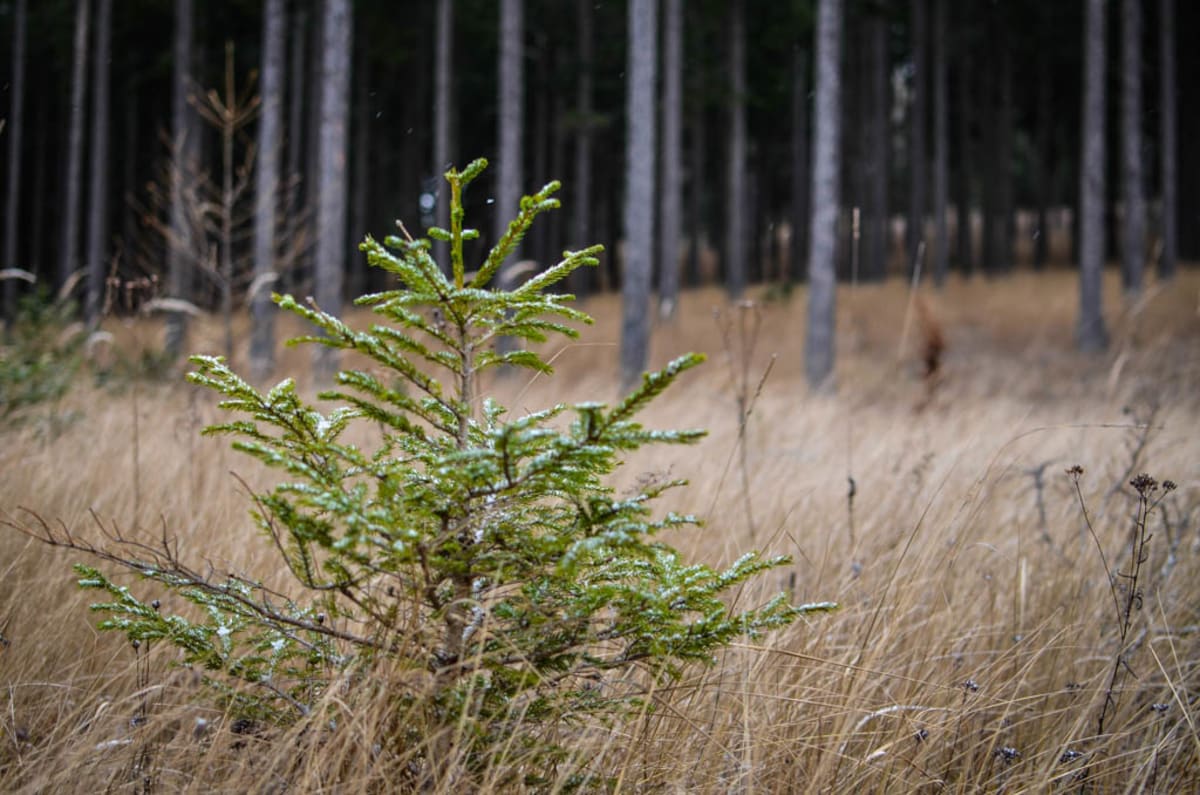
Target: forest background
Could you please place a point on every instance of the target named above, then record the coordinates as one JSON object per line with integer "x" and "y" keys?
{"x": 181, "y": 142}
{"x": 772, "y": 182}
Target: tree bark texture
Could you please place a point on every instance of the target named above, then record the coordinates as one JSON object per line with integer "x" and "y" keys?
{"x": 266, "y": 189}
{"x": 822, "y": 268}
{"x": 179, "y": 272}
{"x": 97, "y": 230}
{"x": 639, "y": 189}
{"x": 443, "y": 103}
{"x": 735, "y": 180}
{"x": 511, "y": 115}
{"x": 331, "y": 173}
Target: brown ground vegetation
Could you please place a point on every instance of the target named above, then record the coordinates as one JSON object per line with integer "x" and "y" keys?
{"x": 976, "y": 642}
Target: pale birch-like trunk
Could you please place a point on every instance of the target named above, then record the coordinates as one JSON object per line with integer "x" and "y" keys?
{"x": 671, "y": 189}
{"x": 97, "y": 229}
{"x": 443, "y": 104}
{"x": 179, "y": 272}
{"x": 331, "y": 254}
{"x": 266, "y": 190}
{"x": 638, "y": 223}
{"x": 735, "y": 179}
{"x": 511, "y": 115}
{"x": 826, "y": 167}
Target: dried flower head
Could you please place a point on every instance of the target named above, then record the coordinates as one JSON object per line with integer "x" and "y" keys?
{"x": 1144, "y": 485}
{"x": 1075, "y": 471}
{"x": 1008, "y": 753}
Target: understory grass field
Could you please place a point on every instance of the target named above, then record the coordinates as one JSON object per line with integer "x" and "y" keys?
{"x": 981, "y": 645}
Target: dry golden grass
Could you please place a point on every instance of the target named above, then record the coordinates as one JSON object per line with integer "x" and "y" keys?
{"x": 977, "y": 634}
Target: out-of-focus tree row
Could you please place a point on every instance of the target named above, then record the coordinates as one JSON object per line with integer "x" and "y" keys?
{"x": 225, "y": 148}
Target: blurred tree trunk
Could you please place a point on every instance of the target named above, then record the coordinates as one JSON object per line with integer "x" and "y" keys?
{"x": 1005, "y": 207}
{"x": 413, "y": 156}
{"x": 227, "y": 124}
{"x": 966, "y": 236}
{"x": 337, "y": 25}
{"x": 997, "y": 190}
{"x": 735, "y": 180}
{"x": 856, "y": 137}
{"x": 1091, "y": 334}
{"x": 671, "y": 189}
{"x": 581, "y": 281}
{"x": 42, "y": 143}
{"x": 1042, "y": 171}
{"x": 916, "y": 130}
{"x": 296, "y": 138}
{"x": 697, "y": 179}
{"x": 130, "y": 141}
{"x": 822, "y": 249}
{"x": 69, "y": 251}
{"x": 443, "y": 105}
{"x": 312, "y": 155}
{"x": 14, "y": 128}
{"x": 800, "y": 174}
{"x": 990, "y": 171}
{"x": 941, "y": 147}
{"x": 266, "y": 190}
{"x": 537, "y": 241}
{"x": 638, "y": 222}
{"x": 183, "y": 130}
{"x": 511, "y": 116}
{"x": 97, "y": 230}
{"x": 558, "y": 224}
{"x": 1167, "y": 140}
{"x": 510, "y": 133}
{"x": 1133, "y": 189}
{"x": 356, "y": 272}
{"x": 874, "y": 248}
